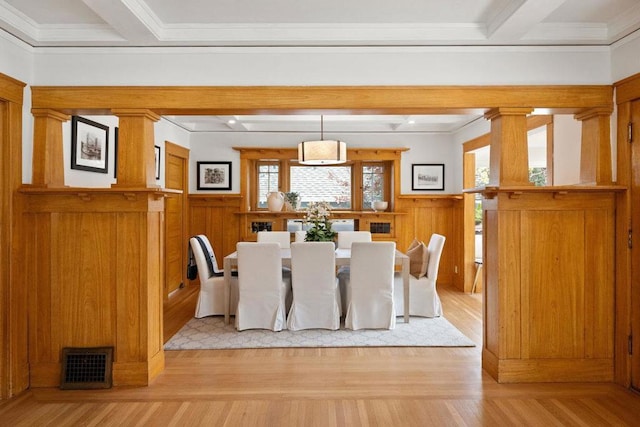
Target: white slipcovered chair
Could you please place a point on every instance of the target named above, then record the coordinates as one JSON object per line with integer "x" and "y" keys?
{"x": 316, "y": 298}
{"x": 211, "y": 296}
{"x": 369, "y": 288}
{"x": 346, "y": 238}
{"x": 423, "y": 297}
{"x": 300, "y": 235}
{"x": 262, "y": 288}
{"x": 281, "y": 237}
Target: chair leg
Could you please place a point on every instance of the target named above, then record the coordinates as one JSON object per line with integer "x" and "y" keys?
{"x": 477, "y": 279}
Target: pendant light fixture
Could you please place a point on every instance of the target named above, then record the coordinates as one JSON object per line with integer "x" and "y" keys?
{"x": 321, "y": 152}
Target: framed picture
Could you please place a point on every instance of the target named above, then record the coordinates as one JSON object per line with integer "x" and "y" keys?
{"x": 157, "y": 161}
{"x": 89, "y": 145}
{"x": 214, "y": 175}
{"x": 115, "y": 153}
{"x": 427, "y": 177}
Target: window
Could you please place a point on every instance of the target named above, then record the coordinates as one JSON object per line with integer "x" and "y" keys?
{"x": 352, "y": 186}
{"x": 373, "y": 187}
{"x": 268, "y": 180}
{"x": 322, "y": 183}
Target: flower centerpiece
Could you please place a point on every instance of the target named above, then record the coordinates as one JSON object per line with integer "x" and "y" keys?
{"x": 317, "y": 216}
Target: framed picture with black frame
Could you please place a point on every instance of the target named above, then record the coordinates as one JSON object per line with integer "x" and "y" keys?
{"x": 89, "y": 145}
{"x": 214, "y": 175}
{"x": 427, "y": 177}
{"x": 157, "y": 161}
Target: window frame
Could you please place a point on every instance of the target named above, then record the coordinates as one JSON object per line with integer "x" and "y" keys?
{"x": 357, "y": 179}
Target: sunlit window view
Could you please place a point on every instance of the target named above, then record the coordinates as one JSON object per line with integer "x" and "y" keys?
{"x": 268, "y": 178}
{"x": 322, "y": 183}
{"x": 373, "y": 185}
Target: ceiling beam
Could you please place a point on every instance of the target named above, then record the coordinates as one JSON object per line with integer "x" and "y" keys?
{"x": 130, "y": 18}
{"x": 519, "y": 18}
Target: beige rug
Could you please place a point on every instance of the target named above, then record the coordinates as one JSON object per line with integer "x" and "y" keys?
{"x": 212, "y": 333}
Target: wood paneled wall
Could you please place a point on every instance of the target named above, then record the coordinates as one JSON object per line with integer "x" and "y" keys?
{"x": 434, "y": 214}
{"x": 95, "y": 258}
{"x": 550, "y": 284}
{"x": 215, "y": 216}
{"x": 134, "y": 232}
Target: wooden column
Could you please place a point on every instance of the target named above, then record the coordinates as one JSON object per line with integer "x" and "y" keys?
{"x": 136, "y": 158}
{"x": 595, "y": 152}
{"x": 469, "y": 233}
{"x": 14, "y": 364}
{"x": 48, "y": 160}
{"x": 509, "y": 158}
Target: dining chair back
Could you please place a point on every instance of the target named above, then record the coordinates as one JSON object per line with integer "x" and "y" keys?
{"x": 211, "y": 295}
{"x": 281, "y": 237}
{"x": 300, "y": 235}
{"x": 424, "y": 300}
{"x": 316, "y": 297}
{"x": 369, "y": 288}
{"x": 262, "y": 288}
{"x": 346, "y": 238}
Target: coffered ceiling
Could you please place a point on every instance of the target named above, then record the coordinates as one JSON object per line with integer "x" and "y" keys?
{"x": 318, "y": 23}
{"x": 47, "y": 24}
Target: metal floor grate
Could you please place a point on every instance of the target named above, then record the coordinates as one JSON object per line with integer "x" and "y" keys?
{"x": 86, "y": 368}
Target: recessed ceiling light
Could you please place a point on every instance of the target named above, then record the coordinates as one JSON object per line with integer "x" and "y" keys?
{"x": 411, "y": 122}
{"x": 231, "y": 121}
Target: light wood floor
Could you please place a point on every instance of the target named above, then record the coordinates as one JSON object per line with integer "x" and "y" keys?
{"x": 331, "y": 387}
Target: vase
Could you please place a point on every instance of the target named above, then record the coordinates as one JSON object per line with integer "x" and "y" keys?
{"x": 275, "y": 201}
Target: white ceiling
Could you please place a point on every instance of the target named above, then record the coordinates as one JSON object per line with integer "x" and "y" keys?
{"x": 313, "y": 23}
{"x": 218, "y": 23}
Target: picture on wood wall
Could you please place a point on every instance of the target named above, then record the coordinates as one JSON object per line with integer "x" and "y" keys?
{"x": 89, "y": 145}
{"x": 427, "y": 177}
{"x": 115, "y": 152}
{"x": 214, "y": 175}
{"x": 157, "y": 161}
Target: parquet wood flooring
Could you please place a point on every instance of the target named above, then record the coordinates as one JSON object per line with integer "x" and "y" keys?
{"x": 331, "y": 387}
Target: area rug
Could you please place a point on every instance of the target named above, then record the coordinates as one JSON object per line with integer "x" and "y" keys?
{"x": 212, "y": 333}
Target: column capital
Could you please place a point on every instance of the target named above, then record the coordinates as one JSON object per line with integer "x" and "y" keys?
{"x": 507, "y": 111}
{"x": 593, "y": 112}
{"x": 136, "y": 112}
{"x": 50, "y": 114}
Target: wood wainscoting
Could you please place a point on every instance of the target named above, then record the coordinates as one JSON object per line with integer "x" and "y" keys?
{"x": 215, "y": 216}
{"x": 428, "y": 214}
{"x": 549, "y": 284}
{"x": 95, "y": 258}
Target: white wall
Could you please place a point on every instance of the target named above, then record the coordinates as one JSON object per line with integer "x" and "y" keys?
{"x": 567, "y": 134}
{"x": 625, "y": 57}
{"x": 323, "y": 66}
{"x": 16, "y": 61}
{"x": 163, "y": 131}
{"x": 431, "y": 148}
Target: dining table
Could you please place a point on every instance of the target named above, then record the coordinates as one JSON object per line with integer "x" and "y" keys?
{"x": 343, "y": 257}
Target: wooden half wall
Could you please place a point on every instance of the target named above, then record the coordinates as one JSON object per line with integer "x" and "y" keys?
{"x": 550, "y": 284}
{"x": 94, "y": 280}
